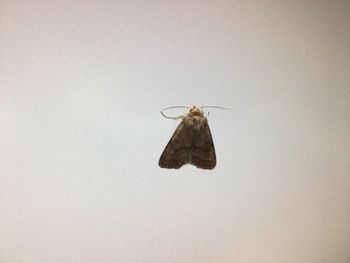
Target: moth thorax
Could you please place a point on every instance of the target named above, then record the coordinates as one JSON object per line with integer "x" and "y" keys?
{"x": 196, "y": 122}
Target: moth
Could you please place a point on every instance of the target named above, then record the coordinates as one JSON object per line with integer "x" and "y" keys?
{"x": 191, "y": 143}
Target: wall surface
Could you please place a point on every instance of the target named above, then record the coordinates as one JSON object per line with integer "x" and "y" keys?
{"x": 81, "y": 86}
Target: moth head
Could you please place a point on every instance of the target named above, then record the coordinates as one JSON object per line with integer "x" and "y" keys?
{"x": 194, "y": 111}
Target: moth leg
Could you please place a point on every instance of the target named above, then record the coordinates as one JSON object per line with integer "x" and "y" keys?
{"x": 174, "y": 118}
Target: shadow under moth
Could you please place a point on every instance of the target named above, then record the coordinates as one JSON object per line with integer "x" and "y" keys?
{"x": 191, "y": 143}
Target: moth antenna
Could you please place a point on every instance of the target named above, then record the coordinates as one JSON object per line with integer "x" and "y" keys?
{"x": 216, "y": 107}
{"x": 176, "y": 107}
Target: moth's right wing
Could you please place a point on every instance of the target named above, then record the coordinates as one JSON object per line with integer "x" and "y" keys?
{"x": 203, "y": 151}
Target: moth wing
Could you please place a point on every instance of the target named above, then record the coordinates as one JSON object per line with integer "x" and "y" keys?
{"x": 177, "y": 152}
{"x": 203, "y": 150}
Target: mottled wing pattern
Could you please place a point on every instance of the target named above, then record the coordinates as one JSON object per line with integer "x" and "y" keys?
{"x": 203, "y": 150}
{"x": 191, "y": 143}
{"x": 176, "y": 152}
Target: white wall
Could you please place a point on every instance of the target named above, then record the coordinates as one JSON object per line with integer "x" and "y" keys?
{"x": 81, "y": 86}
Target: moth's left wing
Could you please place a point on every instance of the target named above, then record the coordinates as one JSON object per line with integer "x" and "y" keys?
{"x": 177, "y": 151}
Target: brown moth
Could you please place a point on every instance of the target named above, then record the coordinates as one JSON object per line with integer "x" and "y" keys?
{"x": 191, "y": 143}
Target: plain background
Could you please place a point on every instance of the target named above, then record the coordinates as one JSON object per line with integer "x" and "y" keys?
{"x": 81, "y": 86}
